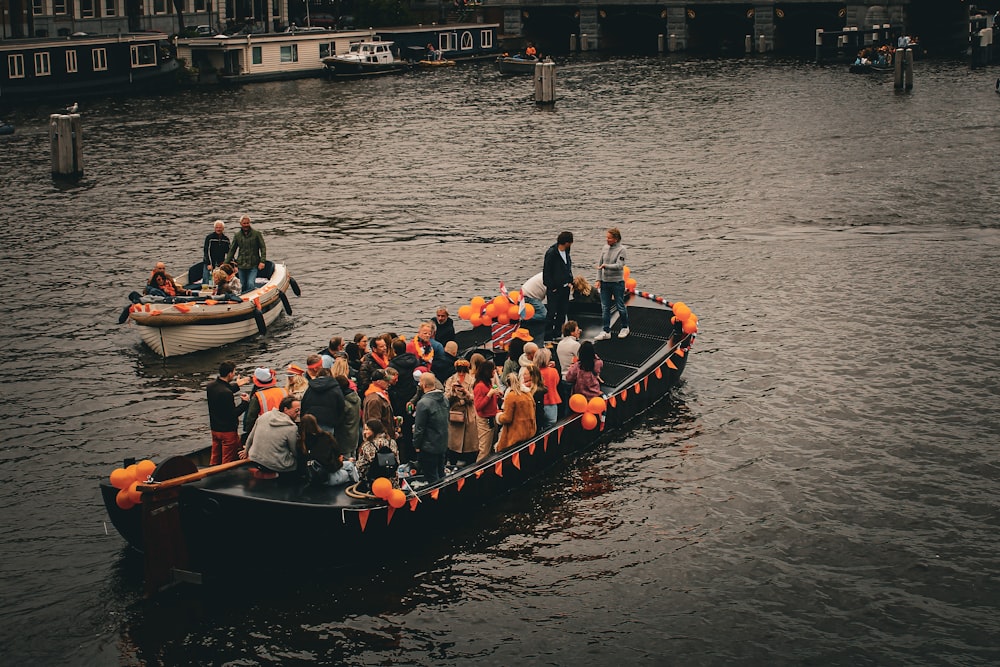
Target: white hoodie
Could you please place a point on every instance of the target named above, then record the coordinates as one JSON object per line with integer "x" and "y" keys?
{"x": 272, "y": 441}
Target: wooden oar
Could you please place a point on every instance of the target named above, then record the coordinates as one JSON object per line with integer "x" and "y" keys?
{"x": 184, "y": 479}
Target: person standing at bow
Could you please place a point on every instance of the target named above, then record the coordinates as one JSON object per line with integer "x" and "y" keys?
{"x": 611, "y": 281}
{"x": 215, "y": 251}
{"x": 224, "y": 413}
{"x": 557, "y": 275}
{"x": 250, "y": 252}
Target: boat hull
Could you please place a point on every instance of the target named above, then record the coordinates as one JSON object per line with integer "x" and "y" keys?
{"x": 340, "y": 69}
{"x": 515, "y": 66}
{"x": 170, "y": 331}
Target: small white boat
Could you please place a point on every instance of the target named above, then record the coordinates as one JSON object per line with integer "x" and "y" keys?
{"x": 171, "y": 327}
{"x": 365, "y": 59}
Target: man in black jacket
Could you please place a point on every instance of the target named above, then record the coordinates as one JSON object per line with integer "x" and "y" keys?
{"x": 224, "y": 413}
{"x": 216, "y": 248}
{"x": 557, "y": 274}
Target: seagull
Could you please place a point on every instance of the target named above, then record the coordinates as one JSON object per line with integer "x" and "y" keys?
{"x": 73, "y": 108}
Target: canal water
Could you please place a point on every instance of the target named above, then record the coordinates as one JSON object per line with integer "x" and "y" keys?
{"x": 822, "y": 489}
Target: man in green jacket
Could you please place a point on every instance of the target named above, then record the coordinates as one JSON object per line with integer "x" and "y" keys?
{"x": 249, "y": 249}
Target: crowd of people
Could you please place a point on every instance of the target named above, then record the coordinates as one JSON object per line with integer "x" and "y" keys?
{"x": 382, "y": 406}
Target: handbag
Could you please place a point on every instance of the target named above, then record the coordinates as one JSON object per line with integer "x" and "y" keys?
{"x": 456, "y": 416}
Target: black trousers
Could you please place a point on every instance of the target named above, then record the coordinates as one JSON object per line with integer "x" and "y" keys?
{"x": 557, "y": 304}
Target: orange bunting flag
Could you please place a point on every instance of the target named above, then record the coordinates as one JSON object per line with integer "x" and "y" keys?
{"x": 516, "y": 460}
{"x": 479, "y": 473}
{"x": 413, "y": 504}
{"x": 545, "y": 443}
{"x": 498, "y": 468}
{"x": 436, "y": 492}
{"x": 459, "y": 484}
{"x": 679, "y": 352}
{"x": 670, "y": 364}
{"x": 559, "y": 433}
{"x": 603, "y": 419}
{"x": 613, "y": 401}
{"x": 210, "y": 302}
{"x": 363, "y": 518}
{"x": 659, "y": 372}
{"x": 624, "y": 395}
{"x": 388, "y": 518}
{"x": 635, "y": 387}
{"x": 531, "y": 448}
{"x": 645, "y": 383}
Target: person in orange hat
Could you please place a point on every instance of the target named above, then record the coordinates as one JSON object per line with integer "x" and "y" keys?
{"x": 266, "y": 396}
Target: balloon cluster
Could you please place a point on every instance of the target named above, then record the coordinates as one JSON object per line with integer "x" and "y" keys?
{"x": 500, "y": 309}
{"x": 382, "y": 488}
{"x": 591, "y": 409}
{"x": 127, "y": 479}
{"x": 630, "y": 283}
{"x": 683, "y": 314}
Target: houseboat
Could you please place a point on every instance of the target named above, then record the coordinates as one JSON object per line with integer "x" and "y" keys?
{"x": 365, "y": 59}
{"x": 81, "y": 65}
{"x": 456, "y": 41}
{"x": 266, "y": 57}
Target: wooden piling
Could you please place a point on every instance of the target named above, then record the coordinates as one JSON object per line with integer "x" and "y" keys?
{"x": 897, "y": 69}
{"x": 819, "y": 45}
{"x": 66, "y": 140}
{"x": 659, "y": 43}
{"x": 908, "y": 70}
{"x": 545, "y": 82}
{"x": 572, "y": 43}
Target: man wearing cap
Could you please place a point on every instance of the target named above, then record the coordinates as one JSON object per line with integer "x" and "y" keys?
{"x": 266, "y": 397}
{"x": 274, "y": 438}
{"x": 249, "y": 249}
{"x": 377, "y": 405}
{"x": 216, "y": 249}
{"x": 557, "y": 274}
{"x": 224, "y": 413}
{"x": 430, "y": 428}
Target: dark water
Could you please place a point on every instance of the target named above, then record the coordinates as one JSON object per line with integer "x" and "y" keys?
{"x": 821, "y": 490}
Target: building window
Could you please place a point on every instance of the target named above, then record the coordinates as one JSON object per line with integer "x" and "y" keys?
{"x": 71, "y": 61}
{"x": 15, "y": 66}
{"x": 42, "y": 65}
{"x": 143, "y": 55}
{"x": 110, "y": 8}
{"x": 276, "y": 8}
{"x": 87, "y": 9}
{"x": 199, "y": 5}
{"x": 100, "y": 59}
{"x": 257, "y": 55}
{"x": 447, "y": 41}
{"x": 486, "y": 37}
{"x": 59, "y": 6}
{"x": 159, "y": 6}
{"x": 467, "y": 41}
{"x": 37, "y": 7}
{"x": 290, "y": 53}
{"x": 324, "y": 50}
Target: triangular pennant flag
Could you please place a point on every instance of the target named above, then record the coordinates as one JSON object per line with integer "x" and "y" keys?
{"x": 645, "y": 383}
{"x": 498, "y": 468}
{"x": 559, "y": 433}
{"x": 659, "y": 372}
{"x": 388, "y": 518}
{"x": 613, "y": 401}
{"x": 670, "y": 364}
{"x": 413, "y": 503}
{"x": 459, "y": 484}
{"x": 436, "y": 492}
{"x": 624, "y": 395}
{"x": 679, "y": 352}
{"x": 603, "y": 419}
{"x": 256, "y": 302}
{"x": 479, "y": 473}
{"x": 531, "y": 448}
{"x": 516, "y": 460}
{"x": 363, "y": 518}
{"x": 635, "y": 388}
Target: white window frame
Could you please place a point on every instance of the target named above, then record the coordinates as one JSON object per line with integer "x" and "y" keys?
{"x": 138, "y": 49}
{"x": 38, "y": 7}
{"x": 59, "y": 7}
{"x": 43, "y": 64}
{"x": 110, "y": 8}
{"x": 71, "y": 64}
{"x": 87, "y": 9}
{"x": 99, "y": 59}
{"x": 467, "y": 41}
{"x": 292, "y": 51}
{"x": 15, "y": 66}
{"x": 160, "y": 7}
{"x": 447, "y": 41}
{"x": 256, "y": 55}
{"x": 486, "y": 39}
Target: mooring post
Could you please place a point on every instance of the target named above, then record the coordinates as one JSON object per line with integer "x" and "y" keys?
{"x": 819, "y": 45}
{"x": 672, "y": 43}
{"x": 762, "y": 43}
{"x": 66, "y": 140}
{"x": 572, "y": 43}
{"x": 584, "y": 46}
{"x": 897, "y": 69}
{"x": 659, "y": 43}
{"x": 545, "y": 82}
{"x": 748, "y": 44}
{"x": 908, "y": 70}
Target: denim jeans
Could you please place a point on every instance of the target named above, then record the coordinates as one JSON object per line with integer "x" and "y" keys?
{"x": 551, "y": 413}
{"x": 616, "y": 291}
{"x": 248, "y": 278}
{"x": 206, "y": 275}
{"x": 541, "y": 314}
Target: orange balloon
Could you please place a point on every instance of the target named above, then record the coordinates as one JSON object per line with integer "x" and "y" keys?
{"x": 477, "y": 303}
{"x": 501, "y": 302}
{"x": 630, "y": 284}
{"x": 578, "y": 403}
{"x": 515, "y": 296}
{"x": 589, "y": 421}
{"x": 529, "y": 311}
{"x": 475, "y": 320}
{"x": 397, "y": 498}
{"x": 690, "y": 325}
{"x": 681, "y": 310}
{"x": 382, "y": 487}
{"x": 503, "y": 318}
{"x": 627, "y": 272}
{"x": 597, "y": 405}
{"x": 120, "y": 478}
{"x": 134, "y": 494}
{"x": 513, "y": 313}
{"x": 465, "y": 312}
{"x": 145, "y": 468}
{"x": 490, "y": 310}
{"x": 123, "y": 500}
{"x": 487, "y": 320}
{"x": 133, "y": 471}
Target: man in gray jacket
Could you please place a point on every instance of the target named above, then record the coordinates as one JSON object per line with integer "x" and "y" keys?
{"x": 430, "y": 428}
{"x": 611, "y": 282}
{"x": 273, "y": 439}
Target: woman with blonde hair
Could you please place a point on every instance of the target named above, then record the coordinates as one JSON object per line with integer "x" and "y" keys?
{"x": 517, "y": 416}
